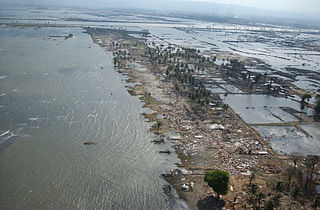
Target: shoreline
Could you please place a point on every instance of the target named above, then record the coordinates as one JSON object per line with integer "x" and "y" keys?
{"x": 201, "y": 148}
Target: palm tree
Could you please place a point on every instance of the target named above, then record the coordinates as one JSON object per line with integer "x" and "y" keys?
{"x": 259, "y": 198}
{"x": 159, "y": 123}
{"x": 279, "y": 187}
{"x": 316, "y": 202}
{"x": 302, "y": 106}
{"x": 253, "y": 175}
{"x": 296, "y": 193}
{"x": 317, "y": 109}
{"x": 310, "y": 162}
{"x": 305, "y": 96}
{"x": 295, "y": 157}
{"x": 253, "y": 189}
{"x": 289, "y": 173}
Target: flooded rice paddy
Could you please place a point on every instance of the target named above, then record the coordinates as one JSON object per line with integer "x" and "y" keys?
{"x": 288, "y": 139}
{"x": 264, "y": 112}
{"x": 261, "y": 108}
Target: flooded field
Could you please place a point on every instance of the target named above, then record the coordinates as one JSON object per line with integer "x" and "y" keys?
{"x": 286, "y": 140}
{"x": 278, "y": 48}
{"x": 261, "y": 108}
{"x": 265, "y": 111}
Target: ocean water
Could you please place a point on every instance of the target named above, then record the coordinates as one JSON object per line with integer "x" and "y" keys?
{"x": 56, "y": 94}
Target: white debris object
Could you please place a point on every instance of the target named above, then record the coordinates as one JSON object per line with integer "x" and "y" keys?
{"x": 198, "y": 137}
{"x": 262, "y": 153}
{"x": 185, "y": 171}
{"x": 175, "y": 137}
{"x": 192, "y": 184}
{"x": 184, "y": 187}
{"x": 248, "y": 173}
{"x": 187, "y": 127}
{"x": 216, "y": 127}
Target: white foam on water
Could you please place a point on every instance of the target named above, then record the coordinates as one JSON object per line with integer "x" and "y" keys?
{"x": 11, "y": 134}
{"x": 37, "y": 118}
{"x": 4, "y": 133}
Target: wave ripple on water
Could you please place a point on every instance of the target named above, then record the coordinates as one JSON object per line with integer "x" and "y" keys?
{"x": 53, "y": 114}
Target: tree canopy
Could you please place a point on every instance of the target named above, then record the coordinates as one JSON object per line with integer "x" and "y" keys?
{"x": 218, "y": 180}
{"x": 306, "y": 96}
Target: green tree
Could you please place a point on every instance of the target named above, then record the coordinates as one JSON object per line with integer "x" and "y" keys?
{"x": 218, "y": 180}
{"x": 317, "y": 110}
{"x": 296, "y": 193}
{"x": 316, "y": 202}
{"x": 225, "y": 106}
{"x": 296, "y": 157}
{"x": 253, "y": 175}
{"x": 289, "y": 173}
{"x": 302, "y": 106}
{"x": 159, "y": 123}
{"x": 259, "y": 198}
{"x": 305, "y": 96}
{"x": 273, "y": 203}
{"x": 269, "y": 205}
{"x": 253, "y": 189}
{"x": 310, "y": 162}
{"x": 257, "y": 78}
{"x": 279, "y": 187}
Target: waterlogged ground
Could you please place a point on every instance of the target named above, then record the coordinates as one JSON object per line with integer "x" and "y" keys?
{"x": 261, "y": 108}
{"x": 278, "y": 47}
{"x": 286, "y": 140}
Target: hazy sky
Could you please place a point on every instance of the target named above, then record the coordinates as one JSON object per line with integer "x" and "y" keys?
{"x": 305, "y": 7}
{"x": 300, "y": 6}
